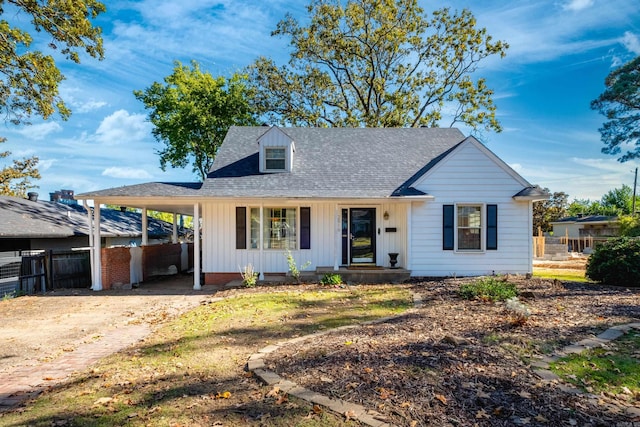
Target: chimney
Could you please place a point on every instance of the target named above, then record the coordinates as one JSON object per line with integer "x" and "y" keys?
{"x": 123, "y": 208}
{"x": 32, "y": 196}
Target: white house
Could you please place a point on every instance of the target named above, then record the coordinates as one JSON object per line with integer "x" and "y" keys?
{"x": 344, "y": 197}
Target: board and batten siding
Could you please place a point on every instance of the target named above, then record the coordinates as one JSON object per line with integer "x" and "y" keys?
{"x": 469, "y": 175}
{"x": 219, "y": 234}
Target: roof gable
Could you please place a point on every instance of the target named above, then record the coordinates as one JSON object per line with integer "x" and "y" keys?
{"x": 471, "y": 141}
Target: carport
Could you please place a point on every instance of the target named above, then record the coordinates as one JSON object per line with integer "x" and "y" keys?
{"x": 174, "y": 198}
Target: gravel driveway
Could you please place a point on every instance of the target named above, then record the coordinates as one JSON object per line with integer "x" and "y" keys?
{"x": 41, "y": 327}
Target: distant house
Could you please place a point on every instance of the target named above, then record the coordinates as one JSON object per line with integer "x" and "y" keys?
{"x": 31, "y": 224}
{"x": 344, "y": 198}
{"x": 580, "y": 226}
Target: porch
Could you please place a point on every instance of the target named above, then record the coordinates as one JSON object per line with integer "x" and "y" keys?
{"x": 366, "y": 274}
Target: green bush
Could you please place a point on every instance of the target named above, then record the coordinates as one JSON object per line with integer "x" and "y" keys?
{"x": 331, "y": 279}
{"x": 616, "y": 262}
{"x": 488, "y": 289}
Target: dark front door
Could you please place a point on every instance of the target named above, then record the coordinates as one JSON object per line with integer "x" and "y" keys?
{"x": 362, "y": 234}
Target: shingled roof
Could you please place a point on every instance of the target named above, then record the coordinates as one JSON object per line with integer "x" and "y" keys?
{"x": 22, "y": 218}
{"x": 330, "y": 162}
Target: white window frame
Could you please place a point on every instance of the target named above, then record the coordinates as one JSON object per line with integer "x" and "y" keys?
{"x": 267, "y": 231}
{"x": 284, "y": 159}
{"x": 482, "y": 228}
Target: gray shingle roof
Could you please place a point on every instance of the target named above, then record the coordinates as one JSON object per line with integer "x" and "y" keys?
{"x": 148, "y": 189}
{"x": 21, "y": 218}
{"x": 330, "y": 162}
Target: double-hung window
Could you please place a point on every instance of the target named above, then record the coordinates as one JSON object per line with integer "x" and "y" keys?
{"x": 469, "y": 227}
{"x": 275, "y": 158}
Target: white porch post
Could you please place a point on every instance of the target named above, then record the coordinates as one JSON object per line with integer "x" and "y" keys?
{"x": 145, "y": 228}
{"x": 337, "y": 238}
{"x": 174, "y": 238}
{"x": 91, "y": 248}
{"x": 97, "y": 273}
{"x": 261, "y": 277}
{"x": 196, "y": 247}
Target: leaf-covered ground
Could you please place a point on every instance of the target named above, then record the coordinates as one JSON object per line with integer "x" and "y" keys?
{"x": 455, "y": 362}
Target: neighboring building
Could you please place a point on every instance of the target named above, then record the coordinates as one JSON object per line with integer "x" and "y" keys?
{"x": 30, "y": 224}
{"x": 580, "y": 226}
{"x": 344, "y": 197}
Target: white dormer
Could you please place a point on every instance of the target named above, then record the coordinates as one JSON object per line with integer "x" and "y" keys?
{"x": 276, "y": 151}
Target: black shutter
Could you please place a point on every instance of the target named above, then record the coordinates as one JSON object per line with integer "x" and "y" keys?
{"x": 305, "y": 228}
{"x": 241, "y": 227}
{"x": 447, "y": 227}
{"x": 492, "y": 227}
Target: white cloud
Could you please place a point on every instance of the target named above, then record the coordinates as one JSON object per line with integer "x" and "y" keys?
{"x": 632, "y": 42}
{"x": 126, "y": 173}
{"x": 577, "y": 5}
{"x": 89, "y": 106}
{"x": 40, "y": 131}
{"x": 122, "y": 127}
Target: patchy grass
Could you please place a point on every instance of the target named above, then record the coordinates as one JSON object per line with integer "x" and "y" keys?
{"x": 614, "y": 369}
{"x": 567, "y": 275}
{"x": 191, "y": 370}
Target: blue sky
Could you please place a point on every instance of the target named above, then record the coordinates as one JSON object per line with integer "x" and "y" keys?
{"x": 560, "y": 52}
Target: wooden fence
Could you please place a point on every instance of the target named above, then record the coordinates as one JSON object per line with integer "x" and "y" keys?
{"x": 29, "y": 272}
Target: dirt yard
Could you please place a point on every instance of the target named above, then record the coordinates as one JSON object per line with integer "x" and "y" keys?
{"x": 41, "y": 327}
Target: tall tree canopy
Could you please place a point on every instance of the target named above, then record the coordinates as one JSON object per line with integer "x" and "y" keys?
{"x": 620, "y": 104}
{"x": 378, "y": 63}
{"x": 28, "y": 78}
{"x": 191, "y": 113}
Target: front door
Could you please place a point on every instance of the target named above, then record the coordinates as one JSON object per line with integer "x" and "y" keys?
{"x": 362, "y": 235}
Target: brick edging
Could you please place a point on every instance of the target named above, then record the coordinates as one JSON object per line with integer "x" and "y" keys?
{"x": 256, "y": 365}
{"x": 542, "y": 369}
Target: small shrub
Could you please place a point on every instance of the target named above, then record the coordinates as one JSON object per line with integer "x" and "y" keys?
{"x": 331, "y": 279}
{"x": 616, "y": 262}
{"x": 518, "y": 310}
{"x": 249, "y": 276}
{"x": 488, "y": 289}
{"x": 293, "y": 266}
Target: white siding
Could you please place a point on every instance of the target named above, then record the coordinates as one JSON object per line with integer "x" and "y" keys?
{"x": 219, "y": 234}
{"x": 468, "y": 175}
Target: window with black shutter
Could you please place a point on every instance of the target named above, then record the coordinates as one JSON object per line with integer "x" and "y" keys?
{"x": 241, "y": 227}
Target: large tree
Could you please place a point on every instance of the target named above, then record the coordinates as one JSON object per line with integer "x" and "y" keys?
{"x": 191, "y": 113}
{"x": 620, "y": 104}
{"x": 378, "y": 63}
{"x": 29, "y": 78}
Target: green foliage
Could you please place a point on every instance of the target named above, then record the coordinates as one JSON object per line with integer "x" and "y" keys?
{"x": 613, "y": 370}
{"x": 488, "y": 289}
{"x": 378, "y": 64}
{"x": 619, "y": 103}
{"x": 629, "y": 225}
{"x": 616, "y": 202}
{"x": 249, "y": 276}
{"x": 616, "y": 262}
{"x": 29, "y": 79}
{"x": 192, "y": 112}
{"x": 547, "y": 211}
{"x": 331, "y": 279}
{"x": 15, "y": 179}
{"x": 293, "y": 266}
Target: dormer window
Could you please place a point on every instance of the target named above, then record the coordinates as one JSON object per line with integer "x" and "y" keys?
{"x": 275, "y": 159}
{"x": 276, "y": 151}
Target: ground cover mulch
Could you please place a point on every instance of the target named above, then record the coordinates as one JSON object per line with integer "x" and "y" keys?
{"x": 455, "y": 362}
